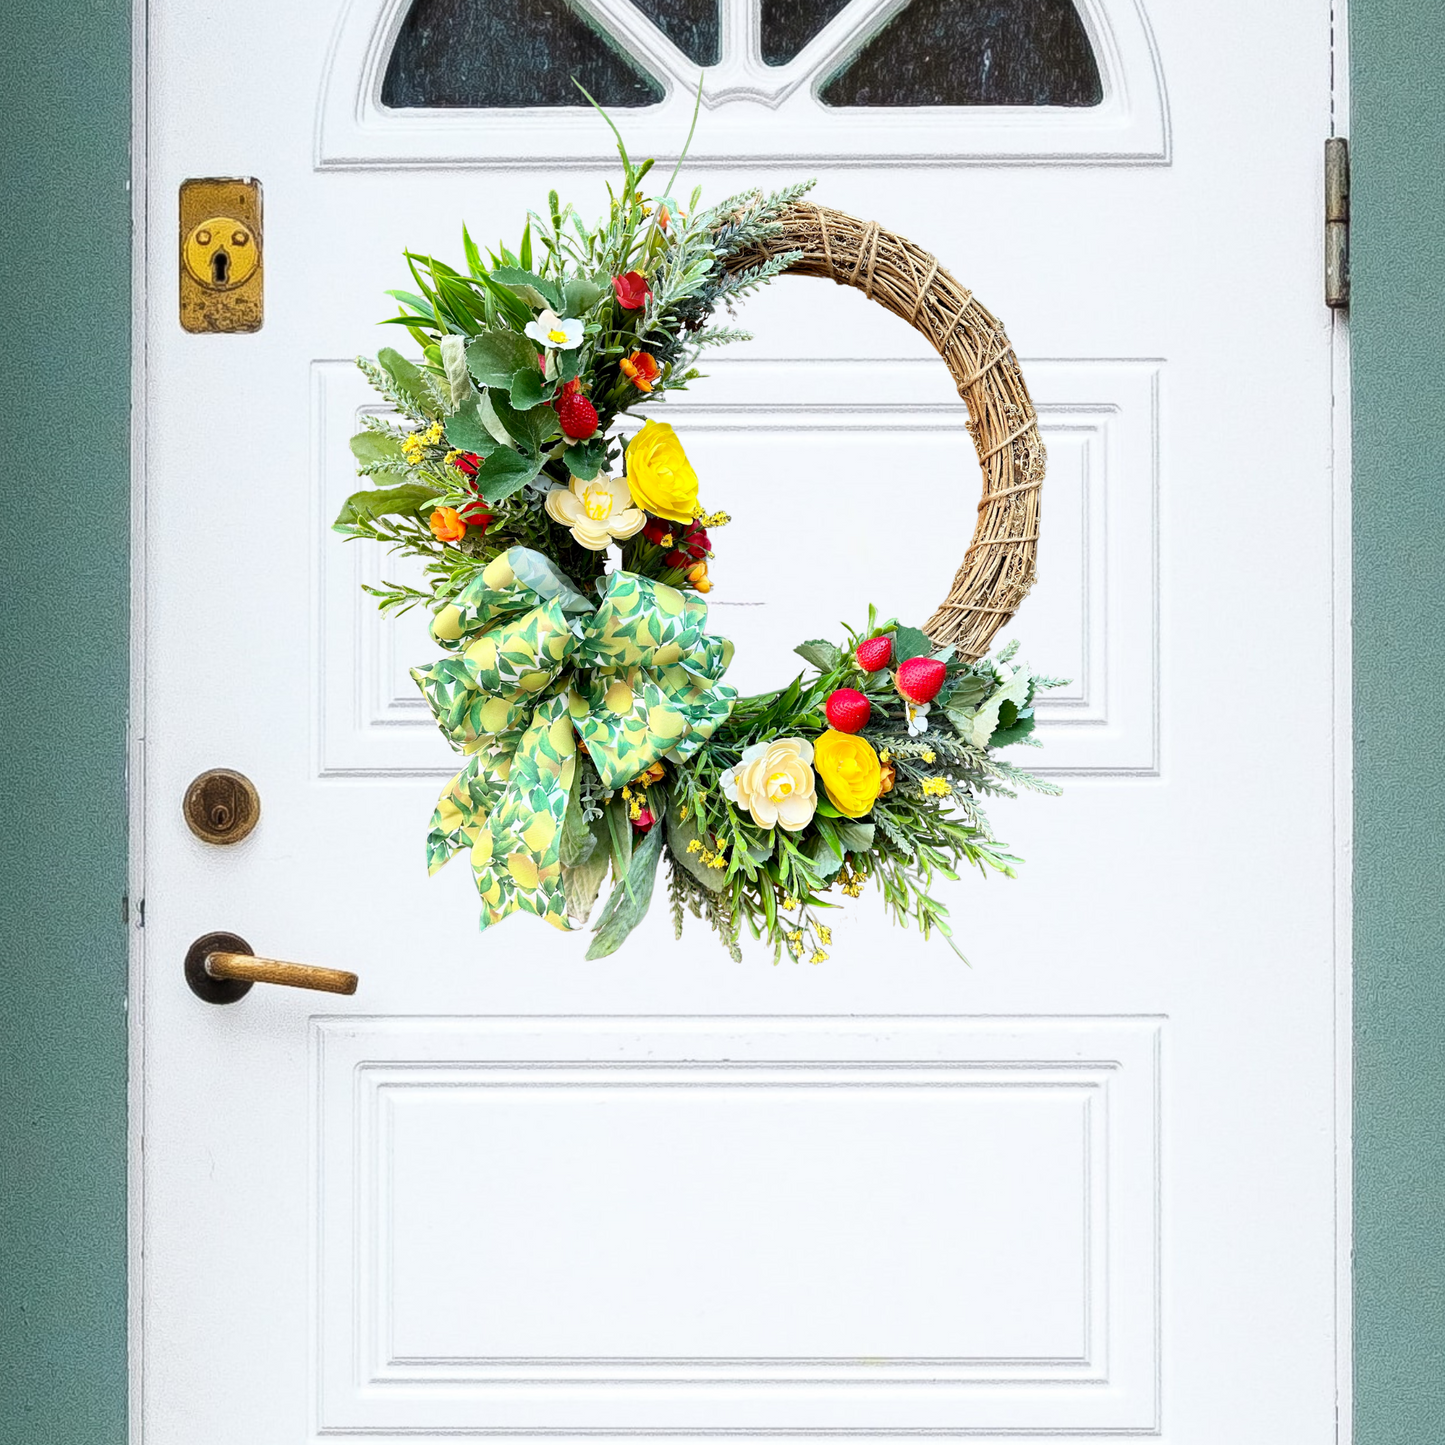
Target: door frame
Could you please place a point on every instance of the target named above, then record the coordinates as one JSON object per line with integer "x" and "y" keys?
{"x": 70, "y": 95}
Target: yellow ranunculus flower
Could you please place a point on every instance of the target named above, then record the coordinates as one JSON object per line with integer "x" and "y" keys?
{"x": 659, "y": 475}
{"x": 850, "y": 770}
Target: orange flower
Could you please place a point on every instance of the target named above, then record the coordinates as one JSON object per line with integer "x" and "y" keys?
{"x": 640, "y": 369}
{"x": 890, "y": 776}
{"x": 699, "y": 578}
{"x": 447, "y": 525}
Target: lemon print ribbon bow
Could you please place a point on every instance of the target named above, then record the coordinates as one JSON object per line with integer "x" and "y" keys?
{"x": 536, "y": 666}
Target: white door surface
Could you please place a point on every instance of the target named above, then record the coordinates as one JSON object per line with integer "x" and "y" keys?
{"x": 1084, "y": 1187}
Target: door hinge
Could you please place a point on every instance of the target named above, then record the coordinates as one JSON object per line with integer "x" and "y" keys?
{"x": 1337, "y": 223}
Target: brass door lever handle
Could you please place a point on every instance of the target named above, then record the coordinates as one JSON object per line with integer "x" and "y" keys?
{"x": 221, "y": 967}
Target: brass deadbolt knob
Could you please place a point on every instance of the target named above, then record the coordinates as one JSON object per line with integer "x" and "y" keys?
{"x": 222, "y": 806}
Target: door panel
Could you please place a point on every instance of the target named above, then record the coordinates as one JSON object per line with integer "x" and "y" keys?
{"x": 1083, "y": 1187}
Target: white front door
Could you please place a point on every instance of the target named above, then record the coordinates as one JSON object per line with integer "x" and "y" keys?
{"x": 1083, "y": 1187}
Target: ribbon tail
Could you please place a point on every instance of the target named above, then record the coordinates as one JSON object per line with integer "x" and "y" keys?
{"x": 462, "y": 810}
{"x": 516, "y": 858}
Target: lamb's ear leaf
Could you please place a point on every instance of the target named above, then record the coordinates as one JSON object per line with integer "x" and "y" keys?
{"x": 371, "y": 448}
{"x": 453, "y": 353}
{"x": 630, "y": 898}
{"x": 408, "y": 379}
{"x": 383, "y": 502}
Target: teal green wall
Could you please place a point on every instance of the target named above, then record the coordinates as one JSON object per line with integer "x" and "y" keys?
{"x": 64, "y": 365}
{"x": 64, "y": 525}
{"x": 1398, "y": 332}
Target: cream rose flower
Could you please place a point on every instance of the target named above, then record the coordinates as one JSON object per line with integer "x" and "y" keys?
{"x": 775, "y": 783}
{"x": 598, "y": 511}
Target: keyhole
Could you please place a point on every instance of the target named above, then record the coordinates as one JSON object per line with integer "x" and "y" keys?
{"x": 220, "y": 268}
{"x": 220, "y": 816}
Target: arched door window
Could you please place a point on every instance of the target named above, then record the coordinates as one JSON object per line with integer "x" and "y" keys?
{"x": 928, "y": 53}
{"x": 798, "y": 81}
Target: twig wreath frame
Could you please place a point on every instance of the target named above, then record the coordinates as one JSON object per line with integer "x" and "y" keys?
{"x": 998, "y": 567}
{"x": 578, "y": 678}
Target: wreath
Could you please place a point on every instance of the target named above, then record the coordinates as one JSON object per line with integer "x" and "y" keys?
{"x": 566, "y": 564}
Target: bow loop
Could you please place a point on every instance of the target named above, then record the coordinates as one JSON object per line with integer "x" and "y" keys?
{"x": 638, "y": 678}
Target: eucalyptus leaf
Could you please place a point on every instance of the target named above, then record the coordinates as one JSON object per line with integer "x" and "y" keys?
{"x": 495, "y": 357}
{"x": 823, "y": 655}
{"x": 630, "y": 898}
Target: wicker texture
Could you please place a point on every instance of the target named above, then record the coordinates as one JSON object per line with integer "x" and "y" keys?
{"x": 998, "y": 568}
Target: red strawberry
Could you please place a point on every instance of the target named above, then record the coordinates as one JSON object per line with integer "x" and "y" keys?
{"x": 467, "y": 462}
{"x": 656, "y": 531}
{"x": 919, "y": 678}
{"x": 577, "y": 415}
{"x": 644, "y": 820}
{"x": 848, "y": 710}
{"x": 874, "y": 653}
{"x": 476, "y": 514}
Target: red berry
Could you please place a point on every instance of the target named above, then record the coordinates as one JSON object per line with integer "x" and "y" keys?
{"x": 476, "y": 514}
{"x": 847, "y": 710}
{"x": 467, "y": 462}
{"x": 577, "y": 415}
{"x": 874, "y": 653}
{"x": 919, "y": 678}
{"x": 644, "y": 820}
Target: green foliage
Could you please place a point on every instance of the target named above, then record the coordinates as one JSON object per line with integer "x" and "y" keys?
{"x": 479, "y": 389}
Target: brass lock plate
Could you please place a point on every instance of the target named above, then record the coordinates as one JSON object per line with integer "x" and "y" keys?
{"x": 222, "y": 806}
{"x": 222, "y": 268}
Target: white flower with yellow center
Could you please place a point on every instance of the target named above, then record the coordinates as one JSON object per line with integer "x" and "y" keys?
{"x": 598, "y": 511}
{"x": 917, "y": 718}
{"x": 555, "y": 332}
{"x": 775, "y": 782}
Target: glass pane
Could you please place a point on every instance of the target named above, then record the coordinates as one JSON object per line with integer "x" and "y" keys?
{"x": 788, "y": 25}
{"x": 973, "y": 52}
{"x": 482, "y": 53}
{"x": 691, "y": 25}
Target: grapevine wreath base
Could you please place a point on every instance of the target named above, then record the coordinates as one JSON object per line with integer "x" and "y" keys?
{"x": 566, "y": 564}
